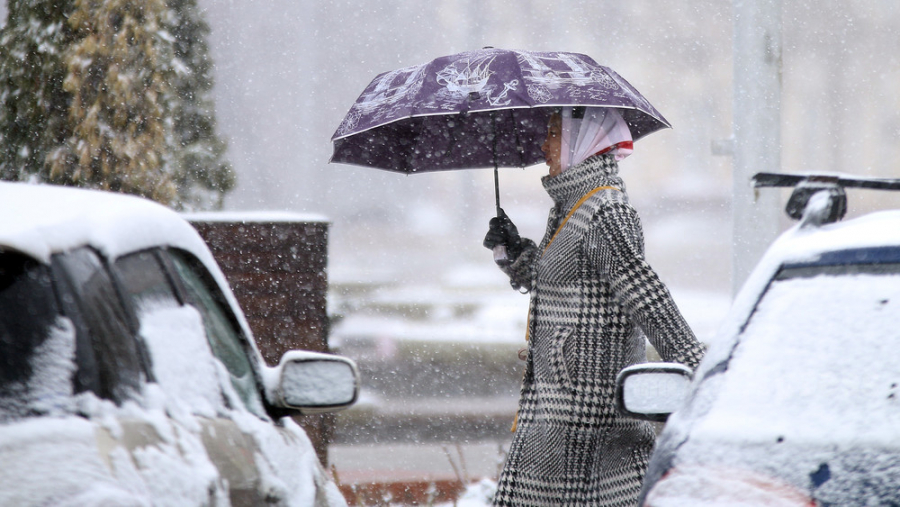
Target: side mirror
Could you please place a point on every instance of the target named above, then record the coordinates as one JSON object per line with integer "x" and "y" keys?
{"x": 314, "y": 383}
{"x": 652, "y": 391}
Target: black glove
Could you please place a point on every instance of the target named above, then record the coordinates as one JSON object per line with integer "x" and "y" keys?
{"x": 501, "y": 231}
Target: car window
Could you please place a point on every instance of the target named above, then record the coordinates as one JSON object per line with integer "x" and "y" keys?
{"x": 818, "y": 357}
{"x": 173, "y": 334}
{"x": 27, "y": 310}
{"x": 144, "y": 279}
{"x": 36, "y": 342}
{"x": 225, "y": 337}
{"x": 109, "y": 358}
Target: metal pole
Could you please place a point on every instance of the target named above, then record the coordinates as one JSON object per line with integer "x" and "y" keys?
{"x": 757, "y": 129}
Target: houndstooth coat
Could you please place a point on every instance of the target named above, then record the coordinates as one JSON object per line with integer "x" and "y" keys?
{"x": 592, "y": 295}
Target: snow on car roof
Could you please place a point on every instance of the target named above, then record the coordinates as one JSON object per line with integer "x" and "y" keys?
{"x": 800, "y": 244}
{"x": 873, "y": 230}
{"x": 40, "y": 220}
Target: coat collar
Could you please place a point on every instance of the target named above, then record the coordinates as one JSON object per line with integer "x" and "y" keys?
{"x": 568, "y": 187}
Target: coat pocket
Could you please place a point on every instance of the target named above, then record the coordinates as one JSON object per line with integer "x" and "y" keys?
{"x": 557, "y": 359}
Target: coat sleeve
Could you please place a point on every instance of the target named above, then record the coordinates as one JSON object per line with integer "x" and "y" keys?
{"x": 614, "y": 246}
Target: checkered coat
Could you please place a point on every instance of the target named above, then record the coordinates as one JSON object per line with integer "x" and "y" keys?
{"x": 593, "y": 297}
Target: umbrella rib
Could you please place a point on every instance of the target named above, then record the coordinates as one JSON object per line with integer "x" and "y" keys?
{"x": 527, "y": 99}
{"x": 519, "y": 148}
{"x": 452, "y": 138}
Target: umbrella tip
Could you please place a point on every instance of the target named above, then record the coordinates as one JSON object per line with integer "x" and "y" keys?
{"x": 488, "y": 47}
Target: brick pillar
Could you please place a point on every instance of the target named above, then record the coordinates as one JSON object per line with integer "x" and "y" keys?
{"x": 276, "y": 266}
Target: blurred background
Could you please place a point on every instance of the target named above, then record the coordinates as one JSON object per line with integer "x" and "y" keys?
{"x": 287, "y": 71}
{"x": 413, "y": 294}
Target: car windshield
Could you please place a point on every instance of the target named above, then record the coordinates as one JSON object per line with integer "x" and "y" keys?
{"x": 818, "y": 359}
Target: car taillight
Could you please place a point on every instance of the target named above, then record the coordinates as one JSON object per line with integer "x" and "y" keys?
{"x": 696, "y": 486}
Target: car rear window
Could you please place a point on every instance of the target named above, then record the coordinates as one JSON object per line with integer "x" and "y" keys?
{"x": 36, "y": 344}
{"x": 27, "y": 310}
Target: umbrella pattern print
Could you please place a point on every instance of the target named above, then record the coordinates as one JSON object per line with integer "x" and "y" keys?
{"x": 479, "y": 109}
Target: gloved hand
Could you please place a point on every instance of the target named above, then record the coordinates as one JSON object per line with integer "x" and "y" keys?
{"x": 501, "y": 231}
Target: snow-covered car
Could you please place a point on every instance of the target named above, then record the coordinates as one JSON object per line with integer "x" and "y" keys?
{"x": 797, "y": 402}
{"x": 128, "y": 373}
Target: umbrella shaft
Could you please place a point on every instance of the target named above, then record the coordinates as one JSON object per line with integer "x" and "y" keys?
{"x": 497, "y": 189}
{"x": 496, "y": 172}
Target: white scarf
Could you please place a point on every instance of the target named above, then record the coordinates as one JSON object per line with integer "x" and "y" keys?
{"x": 602, "y": 130}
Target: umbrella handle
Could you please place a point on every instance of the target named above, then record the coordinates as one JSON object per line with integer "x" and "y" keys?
{"x": 500, "y": 256}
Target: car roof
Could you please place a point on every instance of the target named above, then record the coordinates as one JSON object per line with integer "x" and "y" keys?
{"x": 808, "y": 244}
{"x": 40, "y": 220}
{"x": 875, "y": 230}
{"x": 799, "y": 245}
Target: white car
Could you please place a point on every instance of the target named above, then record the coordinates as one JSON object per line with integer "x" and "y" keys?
{"x": 128, "y": 374}
{"x": 797, "y": 402}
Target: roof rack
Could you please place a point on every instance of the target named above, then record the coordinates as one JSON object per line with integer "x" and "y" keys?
{"x": 831, "y": 203}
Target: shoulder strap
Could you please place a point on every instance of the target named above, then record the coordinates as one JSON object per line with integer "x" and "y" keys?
{"x": 572, "y": 212}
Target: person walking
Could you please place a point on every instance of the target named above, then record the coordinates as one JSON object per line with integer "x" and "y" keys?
{"x": 593, "y": 299}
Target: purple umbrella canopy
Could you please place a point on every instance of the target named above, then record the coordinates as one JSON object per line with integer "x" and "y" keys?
{"x": 479, "y": 109}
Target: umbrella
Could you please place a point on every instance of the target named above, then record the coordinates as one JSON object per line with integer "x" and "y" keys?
{"x": 479, "y": 109}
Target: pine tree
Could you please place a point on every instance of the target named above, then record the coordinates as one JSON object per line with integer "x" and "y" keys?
{"x": 202, "y": 174}
{"x": 117, "y": 74}
{"x": 111, "y": 94}
{"x": 33, "y": 105}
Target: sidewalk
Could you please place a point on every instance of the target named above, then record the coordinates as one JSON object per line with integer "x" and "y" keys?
{"x": 409, "y": 461}
{"x": 413, "y": 473}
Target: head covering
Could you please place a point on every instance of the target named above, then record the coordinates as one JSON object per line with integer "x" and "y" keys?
{"x": 600, "y": 130}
